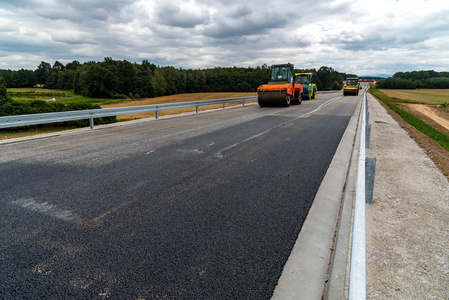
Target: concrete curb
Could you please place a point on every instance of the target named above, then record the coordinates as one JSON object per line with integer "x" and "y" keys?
{"x": 337, "y": 287}
{"x": 305, "y": 274}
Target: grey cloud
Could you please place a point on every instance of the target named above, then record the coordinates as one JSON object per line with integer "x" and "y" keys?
{"x": 208, "y": 33}
{"x": 254, "y": 24}
{"x": 76, "y": 11}
{"x": 239, "y": 12}
{"x": 171, "y": 15}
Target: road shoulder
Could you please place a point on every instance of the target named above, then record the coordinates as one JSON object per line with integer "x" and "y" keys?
{"x": 407, "y": 237}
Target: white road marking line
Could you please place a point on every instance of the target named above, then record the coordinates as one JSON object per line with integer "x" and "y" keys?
{"x": 194, "y": 151}
{"x": 220, "y": 153}
{"x": 47, "y": 209}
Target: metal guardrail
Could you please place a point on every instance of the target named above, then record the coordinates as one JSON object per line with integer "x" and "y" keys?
{"x": 357, "y": 274}
{"x": 364, "y": 194}
{"x": 91, "y": 114}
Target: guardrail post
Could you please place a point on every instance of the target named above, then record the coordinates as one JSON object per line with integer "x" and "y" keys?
{"x": 157, "y": 114}
{"x": 370, "y": 172}
{"x": 368, "y": 126}
{"x": 243, "y": 103}
{"x": 224, "y": 104}
{"x": 370, "y": 169}
{"x": 91, "y": 123}
{"x": 196, "y": 107}
{"x": 368, "y": 134}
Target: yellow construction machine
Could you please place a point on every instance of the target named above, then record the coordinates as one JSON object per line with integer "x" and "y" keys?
{"x": 351, "y": 86}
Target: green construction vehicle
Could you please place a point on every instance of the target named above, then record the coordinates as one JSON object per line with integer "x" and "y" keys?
{"x": 309, "y": 88}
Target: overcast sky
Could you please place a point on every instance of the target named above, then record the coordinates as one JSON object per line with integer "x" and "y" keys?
{"x": 362, "y": 37}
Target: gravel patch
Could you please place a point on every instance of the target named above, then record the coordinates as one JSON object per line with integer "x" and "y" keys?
{"x": 407, "y": 224}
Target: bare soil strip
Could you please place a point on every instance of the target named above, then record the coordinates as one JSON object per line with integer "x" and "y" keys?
{"x": 436, "y": 117}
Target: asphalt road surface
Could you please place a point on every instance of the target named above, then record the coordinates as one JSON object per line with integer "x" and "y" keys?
{"x": 204, "y": 206}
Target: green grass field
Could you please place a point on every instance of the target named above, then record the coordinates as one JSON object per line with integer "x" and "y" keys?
{"x": 62, "y": 96}
{"x": 420, "y": 96}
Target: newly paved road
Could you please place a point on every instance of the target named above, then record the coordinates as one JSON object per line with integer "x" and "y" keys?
{"x": 205, "y": 206}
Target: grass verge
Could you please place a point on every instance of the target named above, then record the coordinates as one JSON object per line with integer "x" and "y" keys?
{"x": 420, "y": 125}
{"x": 10, "y": 133}
{"x": 61, "y": 96}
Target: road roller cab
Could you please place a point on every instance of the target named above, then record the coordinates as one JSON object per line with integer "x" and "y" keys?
{"x": 309, "y": 88}
{"x": 281, "y": 90}
{"x": 351, "y": 86}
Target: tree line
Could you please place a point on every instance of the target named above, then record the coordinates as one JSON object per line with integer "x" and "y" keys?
{"x": 416, "y": 80}
{"x": 123, "y": 79}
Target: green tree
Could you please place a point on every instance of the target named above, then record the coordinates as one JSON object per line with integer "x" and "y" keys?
{"x": 99, "y": 82}
{"x": 52, "y": 81}
{"x": 42, "y": 72}
{"x": 73, "y": 65}
{"x": 329, "y": 79}
{"x": 124, "y": 77}
{"x": 22, "y": 78}
{"x": 4, "y": 94}
{"x": 158, "y": 84}
{"x": 57, "y": 66}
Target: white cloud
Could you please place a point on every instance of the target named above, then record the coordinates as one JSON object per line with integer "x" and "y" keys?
{"x": 362, "y": 37}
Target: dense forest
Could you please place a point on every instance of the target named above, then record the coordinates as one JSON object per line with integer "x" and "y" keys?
{"x": 416, "y": 80}
{"x": 123, "y": 79}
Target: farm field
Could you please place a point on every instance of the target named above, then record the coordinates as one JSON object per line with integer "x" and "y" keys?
{"x": 422, "y": 96}
{"x": 432, "y": 106}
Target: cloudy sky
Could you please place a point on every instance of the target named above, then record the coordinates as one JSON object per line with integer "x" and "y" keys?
{"x": 360, "y": 36}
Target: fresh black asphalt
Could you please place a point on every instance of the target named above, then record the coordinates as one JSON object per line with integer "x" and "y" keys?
{"x": 206, "y": 206}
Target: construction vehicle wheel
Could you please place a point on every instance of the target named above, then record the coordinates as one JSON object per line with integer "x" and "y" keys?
{"x": 288, "y": 100}
{"x": 297, "y": 101}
